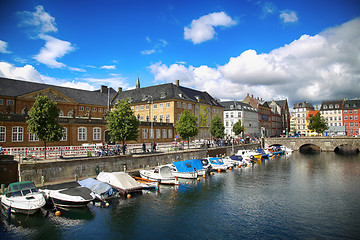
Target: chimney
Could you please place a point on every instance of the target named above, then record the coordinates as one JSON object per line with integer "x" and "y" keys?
{"x": 103, "y": 88}
{"x": 119, "y": 89}
{"x": 257, "y": 98}
{"x": 177, "y": 82}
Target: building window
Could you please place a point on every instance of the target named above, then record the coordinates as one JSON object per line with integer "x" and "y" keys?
{"x": 64, "y": 134}
{"x": 147, "y": 107}
{"x": 1, "y": 102}
{"x": 167, "y": 105}
{"x": 70, "y": 113}
{"x": 82, "y": 134}
{"x": 226, "y": 115}
{"x": 158, "y": 133}
{"x": 142, "y": 107}
{"x": 239, "y": 114}
{"x": 2, "y": 134}
{"x": 81, "y": 108}
{"x": 136, "y": 108}
{"x": 10, "y": 102}
{"x": 17, "y": 134}
{"x": 345, "y": 111}
{"x": 61, "y": 113}
{"x": 94, "y": 109}
{"x": 184, "y": 105}
{"x": 100, "y": 109}
{"x": 170, "y": 133}
{"x": 351, "y": 124}
{"x": 97, "y": 134}
{"x": 356, "y": 124}
{"x": 350, "y": 111}
{"x": 155, "y": 106}
{"x": 356, "y": 117}
{"x": 164, "y": 133}
{"x": 189, "y": 106}
{"x": 155, "y": 118}
{"x": 151, "y": 133}
{"x": 33, "y": 137}
{"x": 178, "y": 104}
{"x": 145, "y": 133}
{"x": 350, "y": 117}
{"x": 161, "y": 105}
{"x": 87, "y": 109}
{"x": 167, "y": 118}
{"x": 345, "y": 118}
{"x": 161, "y": 117}
{"x": 177, "y": 117}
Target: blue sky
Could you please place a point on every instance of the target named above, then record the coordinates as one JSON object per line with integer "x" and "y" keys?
{"x": 299, "y": 50}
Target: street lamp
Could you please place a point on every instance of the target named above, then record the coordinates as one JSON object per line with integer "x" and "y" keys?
{"x": 151, "y": 122}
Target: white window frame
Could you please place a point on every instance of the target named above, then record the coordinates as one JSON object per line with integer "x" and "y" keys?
{"x": 161, "y": 105}
{"x": 167, "y": 105}
{"x": 178, "y": 104}
{"x": 97, "y": 134}
{"x": 82, "y": 134}
{"x": 164, "y": 133}
{"x": 144, "y": 133}
{"x": 81, "y": 108}
{"x": 136, "y": 108}
{"x": 64, "y": 132}
{"x": 158, "y": 133}
{"x": 94, "y": 109}
{"x": 151, "y": 133}
{"x": 33, "y": 137}
{"x": 2, "y": 134}
{"x": 170, "y": 134}
{"x": 189, "y": 106}
{"x": 17, "y": 134}
{"x": 100, "y": 109}
{"x": 167, "y": 118}
{"x": 141, "y": 107}
{"x": 184, "y": 105}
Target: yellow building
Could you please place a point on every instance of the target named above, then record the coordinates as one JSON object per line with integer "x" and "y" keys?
{"x": 162, "y": 106}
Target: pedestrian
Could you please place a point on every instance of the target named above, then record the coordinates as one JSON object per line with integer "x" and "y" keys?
{"x": 154, "y": 146}
{"x": 124, "y": 148}
{"x": 1, "y": 149}
{"x": 144, "y": 147}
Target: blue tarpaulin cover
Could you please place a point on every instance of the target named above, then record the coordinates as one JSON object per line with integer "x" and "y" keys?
{"x": 188, "y": 165}
{"x": 96, "y": 186}
{"x": 236, "y": 158}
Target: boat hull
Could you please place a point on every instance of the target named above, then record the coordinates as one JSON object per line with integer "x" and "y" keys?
{"x": 156, "y": 178}
{"x": 22, "y": 205}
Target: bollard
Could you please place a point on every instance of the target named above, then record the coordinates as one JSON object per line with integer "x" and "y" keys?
{"x": 76, "y": 178}
{"x": 42, "y": 180}
{"x": 124, "y": 168}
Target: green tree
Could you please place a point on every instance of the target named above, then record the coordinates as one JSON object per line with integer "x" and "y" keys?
{"x": 318, "y": 124}
{"x": 43, "y": 120}
{"x": 217, "y": 127}
{"x": 122, "y": 123}
{"x": 238, "y": 128}
{"x": 187, "y": 126}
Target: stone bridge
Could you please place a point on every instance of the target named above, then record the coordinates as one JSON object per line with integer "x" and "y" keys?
{"x": 327, "y": 144}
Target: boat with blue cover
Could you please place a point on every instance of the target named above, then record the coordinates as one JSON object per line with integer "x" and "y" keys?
{"x": 102, "y": 191}
{"x": 262, "y": 151}
{"x": 217, "y": 164}
{"x": 190, "y": 168}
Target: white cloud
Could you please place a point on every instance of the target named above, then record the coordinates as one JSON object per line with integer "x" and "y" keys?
{"x": 202, "y": 29}
{"x": 40, "y": 19}
{"x": 288, "y": 16}
{"x": 267, "y": 8}
{"x": 312, "y": 68}
{"x": 108, "y": 67}
{"x": 76, "y": 69}
{"x": 148, "y": 52}
{"x": 26, "y": 73}
{"x": 78, "y": 85}
{"x": 3, "y": 47}
{"x": 54, "y": 48}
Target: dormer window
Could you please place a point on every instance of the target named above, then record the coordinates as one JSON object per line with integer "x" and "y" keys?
{"x": 163, "y": 95}
{"x": 336, "y": 105}
{"x": 325, "y": 106}
{"x": 231, "y": 106}
{"x": 331, "y": 106}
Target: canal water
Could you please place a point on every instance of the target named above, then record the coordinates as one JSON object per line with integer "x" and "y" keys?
{"x": 289, "y": 197}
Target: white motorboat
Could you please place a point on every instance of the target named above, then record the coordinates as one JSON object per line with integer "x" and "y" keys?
{"x": 22, "y": 197}
{"x": 184, "y": 169}
{"x": 217, "y": 164}
{"x": 249, "y": 154}
{"x": 234, "y": 160}
{"x": 287, "y": 150}
{"x": 68, "y": 195}
{"x": 161, "y": 174}
{"x": 120, "y": 181}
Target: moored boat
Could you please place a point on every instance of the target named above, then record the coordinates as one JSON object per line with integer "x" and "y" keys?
{"x": 121, "y": 181}
{"x": 161, "y": 174}
{"x": 102, "y": 191}
{"x": 68, "y": 195}
{"x": 185, "y": 169}
{"x": 249, "y": 154}
{"x": 22, "y": 197}
{"x": 217, "y": 164}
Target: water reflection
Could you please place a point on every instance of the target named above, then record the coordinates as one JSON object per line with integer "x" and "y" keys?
{"x": 291, "y": 197}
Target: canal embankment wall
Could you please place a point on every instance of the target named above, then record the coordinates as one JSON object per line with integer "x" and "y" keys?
{"x": 65, "y": 170}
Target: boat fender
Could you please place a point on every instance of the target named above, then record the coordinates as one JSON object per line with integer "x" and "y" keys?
{"x": 97, "y": 171}
{"x": 128, "y": 196}
{"x": 198, "y": 179}
{"x": 57, "y": 213}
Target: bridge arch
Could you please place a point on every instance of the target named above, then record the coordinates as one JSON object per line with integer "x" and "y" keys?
{"x": 309, "y": 148}
{"x": 346, "y": 149}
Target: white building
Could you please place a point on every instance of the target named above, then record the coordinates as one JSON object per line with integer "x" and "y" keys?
{"x": 249, "y": 117}
{"x": 298, "y": 115}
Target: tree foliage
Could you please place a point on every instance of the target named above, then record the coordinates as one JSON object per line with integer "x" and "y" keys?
{"x": 238, "y": 128}
{"x": 187, "y": 126}
{"x": 317, "y": 124}
{"x": 122, "y": 123}
{"x": 43, "y": 120}
{"x": 217, "y": 127}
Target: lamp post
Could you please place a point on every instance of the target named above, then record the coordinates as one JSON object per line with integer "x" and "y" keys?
{"x": 151, "y": 122}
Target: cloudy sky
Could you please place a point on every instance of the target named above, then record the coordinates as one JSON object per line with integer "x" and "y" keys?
{"x": 300, "y": 50}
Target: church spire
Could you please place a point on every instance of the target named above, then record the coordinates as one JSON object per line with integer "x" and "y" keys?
{"x": 137, "y": 82}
